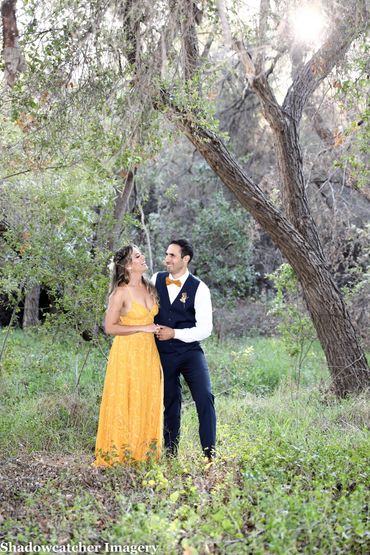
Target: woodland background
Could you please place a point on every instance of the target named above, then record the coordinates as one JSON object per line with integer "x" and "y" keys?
{"x": 86, "y": 169}
{"x": 225, "y": 123}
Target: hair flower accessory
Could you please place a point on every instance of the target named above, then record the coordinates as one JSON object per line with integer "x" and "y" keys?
{"x": 184, "y": 297}
{"x": 111, "y": 264}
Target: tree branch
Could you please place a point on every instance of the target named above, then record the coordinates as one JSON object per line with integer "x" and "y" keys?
{"x": 324, "y": 60}
{"x": 5, "y": 177}
{"x": 189, "y": 16}
{"x": 248, "y": 193}
{"x": 262, "y": 33}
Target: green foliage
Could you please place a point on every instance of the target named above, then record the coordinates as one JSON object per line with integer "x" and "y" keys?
{"x": 220, "y": 233}
{"x": 296, "y": 327}
{"x": 189, "y": 98}
{"x": 224, "y": 253}
{"x": 352, "y": 97}
{"x": 257, "y": 365}
{"x": 51, "y": 240}
{"x": 77, "y": 102}
{"x": 290, "y": 477}
{"x": 50, "y": 385}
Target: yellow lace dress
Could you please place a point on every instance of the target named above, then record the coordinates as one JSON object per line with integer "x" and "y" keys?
{"x": 131, "y": 411}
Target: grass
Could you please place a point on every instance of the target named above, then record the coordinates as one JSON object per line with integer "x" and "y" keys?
{"x": 291, "y": 475}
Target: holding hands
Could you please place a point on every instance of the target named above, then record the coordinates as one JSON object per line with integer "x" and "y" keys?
{"x": 151, "y": 328}
{"x": 163, "y": 333}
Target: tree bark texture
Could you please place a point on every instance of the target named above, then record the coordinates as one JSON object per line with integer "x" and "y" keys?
{"x": 12, "y": 54}
{"x": 31, "y": 307}
{"x": 189, "y": 14}
{"x": 290, "y": 165}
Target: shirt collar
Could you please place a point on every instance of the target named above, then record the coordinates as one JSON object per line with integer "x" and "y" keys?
{"x": 182, "y": 278}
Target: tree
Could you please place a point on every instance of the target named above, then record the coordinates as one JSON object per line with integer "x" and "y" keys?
{"x": 14, "y": 64}
{"x": 58, "y": 249}
{"x": 294, "y": 232}
{"x": 13, "y": 57}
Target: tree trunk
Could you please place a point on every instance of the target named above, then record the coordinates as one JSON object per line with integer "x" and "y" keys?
{"x": 188, "y": 15}
{"x": 120, "y": 208}
{"x": 147, "y": 236}
{"x": 345, "y": 357}
{"x": 12, "y": 54}
{"x": 31, "y": 307}
{"x": 296, "y": 233}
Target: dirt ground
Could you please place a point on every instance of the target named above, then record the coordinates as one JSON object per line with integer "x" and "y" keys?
{"x": 35, "y": 488}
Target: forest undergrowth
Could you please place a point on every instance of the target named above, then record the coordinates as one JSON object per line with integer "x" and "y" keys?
{"x": 291, "y": 474}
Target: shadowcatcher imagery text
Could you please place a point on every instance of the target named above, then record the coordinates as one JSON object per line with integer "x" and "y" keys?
{"x": 9, "y": 547}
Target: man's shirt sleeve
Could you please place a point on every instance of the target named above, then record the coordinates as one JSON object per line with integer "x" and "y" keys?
{"x": 203, "y": 317}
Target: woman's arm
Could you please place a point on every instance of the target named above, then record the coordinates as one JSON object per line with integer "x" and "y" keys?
{"x": 112, "y": 323}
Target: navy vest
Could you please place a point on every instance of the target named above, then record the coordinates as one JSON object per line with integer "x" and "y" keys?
{"x": 178, "y": 315}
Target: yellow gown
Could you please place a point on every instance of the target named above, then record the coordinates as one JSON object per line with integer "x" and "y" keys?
{"x": 131, "y": 411}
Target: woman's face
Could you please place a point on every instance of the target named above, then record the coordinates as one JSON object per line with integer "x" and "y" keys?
{"x": 138, "y": 264}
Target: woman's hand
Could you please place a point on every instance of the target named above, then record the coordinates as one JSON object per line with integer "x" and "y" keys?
{"x": 151, "y": 328}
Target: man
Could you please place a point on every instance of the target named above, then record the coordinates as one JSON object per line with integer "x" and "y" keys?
{"x": 185, "y": 318}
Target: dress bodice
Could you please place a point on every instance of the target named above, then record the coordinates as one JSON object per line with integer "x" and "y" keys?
{"x": 139, "y": 314}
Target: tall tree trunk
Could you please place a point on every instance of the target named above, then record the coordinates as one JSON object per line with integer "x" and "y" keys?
{"x": 31, "y": 307}
{"x": 295, "y": 233}
{"x": 189, "y": 15}
{"x": 12, "y": 54}
{"x": 345, "y": 357}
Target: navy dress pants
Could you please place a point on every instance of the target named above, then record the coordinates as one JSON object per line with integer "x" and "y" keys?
{"x": 193, "y": 366}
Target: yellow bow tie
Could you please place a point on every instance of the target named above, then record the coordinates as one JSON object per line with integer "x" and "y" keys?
{"x": 175, "y": 281}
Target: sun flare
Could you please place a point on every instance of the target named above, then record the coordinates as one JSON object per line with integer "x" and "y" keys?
{"x": 308, "y": 25}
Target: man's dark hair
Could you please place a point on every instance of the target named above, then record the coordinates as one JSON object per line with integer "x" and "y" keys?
{"x": 186, "y": 247}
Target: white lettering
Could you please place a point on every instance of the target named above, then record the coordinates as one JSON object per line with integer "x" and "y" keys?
{"x": 9, "y": 547}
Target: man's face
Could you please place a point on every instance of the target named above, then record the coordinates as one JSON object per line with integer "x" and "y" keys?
{"x": 175, "y": 265}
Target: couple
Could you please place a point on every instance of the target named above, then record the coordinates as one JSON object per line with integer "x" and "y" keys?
{"x": 177, "y": 312}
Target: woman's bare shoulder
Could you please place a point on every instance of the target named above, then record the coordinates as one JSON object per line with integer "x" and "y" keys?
{"x": 119, "y": 294}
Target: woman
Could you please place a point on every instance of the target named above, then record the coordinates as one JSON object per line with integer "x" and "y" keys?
{"x": 130, "y": 421}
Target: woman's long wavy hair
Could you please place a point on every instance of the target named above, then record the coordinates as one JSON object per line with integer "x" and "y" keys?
{"x": 121, "y": 274}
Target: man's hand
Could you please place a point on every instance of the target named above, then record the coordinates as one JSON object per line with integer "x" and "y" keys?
{"x": 165, "y": 333}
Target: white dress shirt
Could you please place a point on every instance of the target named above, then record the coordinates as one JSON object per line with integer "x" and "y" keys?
{"x": 202, "y": 306}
